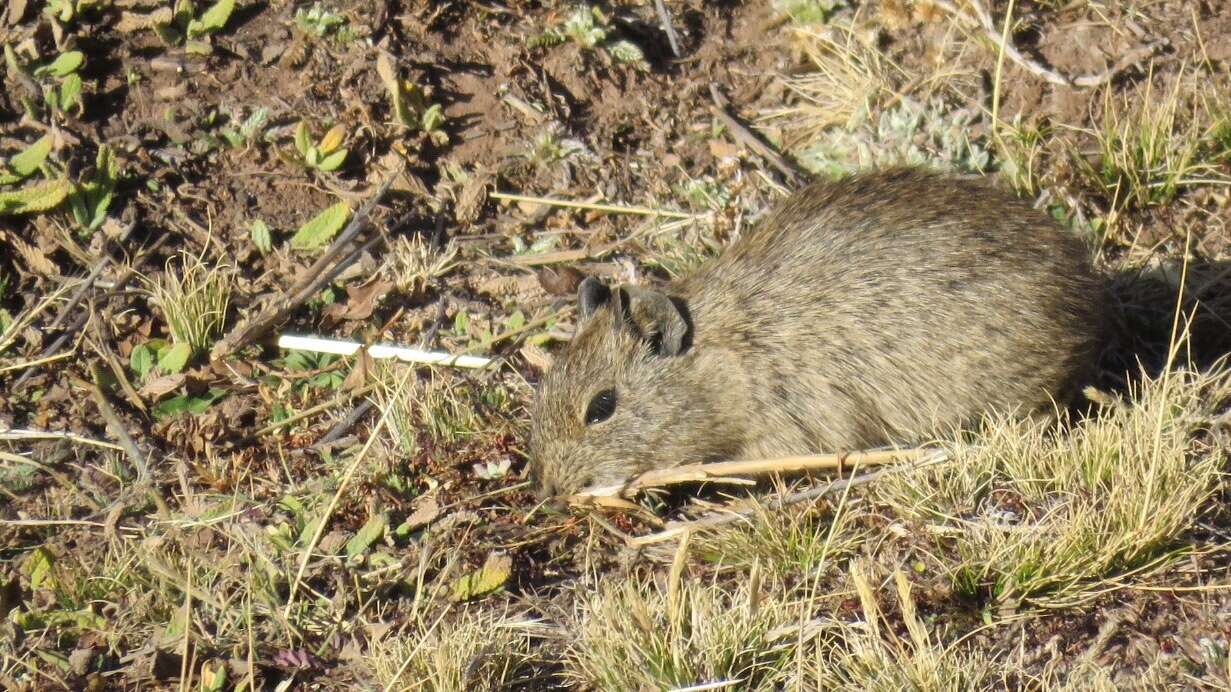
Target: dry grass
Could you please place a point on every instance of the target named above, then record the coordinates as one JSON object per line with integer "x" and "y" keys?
{"x": 847, "y": 83}
{"x": 474, "y": 650}
{"x": 413, "y": 263}
{"x": 636, "y": 634}
{"x": 1152, "y": 146}
{"x": 791, "y": 541}
{"x": 193, "y": 298}
{"x": 870, "y": 655}
{"x": 1052, "y": 518}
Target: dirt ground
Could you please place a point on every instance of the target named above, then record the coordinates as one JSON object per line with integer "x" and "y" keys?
{"x": 258, "y": 448}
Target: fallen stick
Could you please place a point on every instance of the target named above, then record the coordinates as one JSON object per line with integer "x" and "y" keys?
{"x": 724, "y": 471}
{"x": 606, "y": 208}
{"x": 728, "y": 515}
{"x": 794, "y": 175}
{"x": 381, "y": 351}
{"x": 320, "y": 273}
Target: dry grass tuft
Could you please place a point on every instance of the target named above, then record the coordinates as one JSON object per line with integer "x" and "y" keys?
{"x": 1051, "y": 518}
{"x": 193, "y": 298}
{"x": 476, "y": 650}
{"x": 849, "y": 81}
{"x": 791, "y": 541}
{"x": 1150, "y": 148}
{"x": 413, "y": 263}
{"x": 872, "y": 656}
{"x": 637, "y": 635}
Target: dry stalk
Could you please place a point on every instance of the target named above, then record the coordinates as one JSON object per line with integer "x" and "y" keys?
{"x": 724, "y": 471}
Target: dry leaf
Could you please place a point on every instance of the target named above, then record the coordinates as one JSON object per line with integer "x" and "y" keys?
{"x": 559, "y": 281}
{"x": 361, "y": 301}
{"x": 160, "y": 386}
{"x": 473, "y": 196}
{"x": 36, "y": 261}
{"x": 426, "y": 511}
{"x": 359, "y": 374}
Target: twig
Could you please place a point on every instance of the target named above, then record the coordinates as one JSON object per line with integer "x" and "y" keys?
{"x": 307, "y": 413}
{"x": 665, "y": 18}
{"x": 319, "y": 274}
{"x": 21, "y": 434}
{"x": 539, "y": 259}
{"x": 794, "y": 174}
{"x": 609, "y": 208}
{"x": 692, "y": 473}
{"x": 1039, "y": 69}
{"x": 727, "y": 516}
{"x": 74, "y": 330}
{"x": 117, "y": 428}
{"x": 345, "y": 424}
{"x": 35, "y": 363}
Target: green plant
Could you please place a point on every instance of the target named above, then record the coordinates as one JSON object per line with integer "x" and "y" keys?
{"x": 193, "y": 298}
{"x": 322, "y": 23}
{"x": 185, "y": 26}
{"x": 588, "y": 27}
{"x": 326, "y": 154}
{"x": 248, "y": 132}
{"x": 1020, "y": 149}
{"x": 808, "y": 11}
{"x": 412, "y": 106}
{"x": 91, "y": 196}
{"x": 63, "y": 93}
{"x": 65, "y": 11}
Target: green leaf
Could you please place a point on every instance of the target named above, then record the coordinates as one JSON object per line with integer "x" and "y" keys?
{"x": 41, "y": 197}
{"x": 62, "y": 66}
{"x": 211, "y": 20}
{"x": 368, "y": 535}
{"x": 321, "y": 229}
{"x": 184, "y": 403}
{"x": 200, "y": 404}
{"x": 175, "y": 358}
{"x": 331, "y": 162}
{"x": 303, "y": 142}
{"x": 33, "y": 156}
{"x": 39, "y": 567}
{"x": 70, "y": 92}
{"x": 516, "y": 321}
{"x": 261, "y": 237}
{"x": 491, "y": 576}
{"x": 141, "y": 360}
{"x": 461, "y": 323}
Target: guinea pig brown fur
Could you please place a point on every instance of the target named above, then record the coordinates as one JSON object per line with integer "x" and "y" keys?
{"x": 868, "y": 311}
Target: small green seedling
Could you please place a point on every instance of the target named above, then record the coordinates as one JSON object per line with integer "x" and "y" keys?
{"x": 91, "y": 197}
{"x": 22, "y": 165}
{"x": 326, "y": 154}
{"x": 192, "y": 30}
{"x": 261, "y": 236}
{"x": 588, "y": 27}
{"x": 412, "y": 106}
{"x": 248, "y": 132}
{"x": 63, "y": 94}
{"x": 320, "y": 22}
{"x": 65, "y": 11}
{"x": 808, "y": 11}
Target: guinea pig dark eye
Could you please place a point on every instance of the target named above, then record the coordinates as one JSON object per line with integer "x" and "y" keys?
{"x": 601, "y": 407}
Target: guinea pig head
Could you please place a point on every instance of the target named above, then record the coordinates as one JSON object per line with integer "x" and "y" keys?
{"x": 611, "y": 405}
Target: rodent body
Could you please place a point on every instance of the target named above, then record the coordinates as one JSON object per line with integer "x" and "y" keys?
{"x": 867, "y": 311}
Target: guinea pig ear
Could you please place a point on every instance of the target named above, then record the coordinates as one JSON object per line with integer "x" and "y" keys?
{"x": 591, "y": 295}
{"x": 659, "y": 318}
